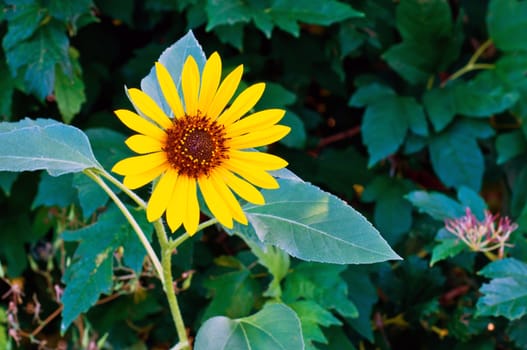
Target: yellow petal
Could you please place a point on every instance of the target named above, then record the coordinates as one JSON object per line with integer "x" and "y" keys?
{"x": 138, "y": 180}
{"x": 242, "y": 187}
{"x": 177, "y": 205}
{"x": 225, "y": 91}
{"x": 168, "y": 88}
{"x": 191, "y": 218}
{"x": 259, "y": 138}
{"x": 139, "y": 124}
{"x": 215, "y": 202}
{"x": 252, "y": 174}
{"x": 140, "y": 164}
{"x": 228, "y": 198}
{"x": 242, "y": 104}
{"x": 143, "y": 144}
{"x": 149, "y": 108}
{"x": 209, "y": 82}
{"x": 255, "y": 122}
{"x": 263, "y": 160}
{"x": 190, "y": 82}
{"x": 161, "y": 195}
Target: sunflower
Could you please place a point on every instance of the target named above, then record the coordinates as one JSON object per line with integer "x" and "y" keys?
{"x": 204, "y": 145}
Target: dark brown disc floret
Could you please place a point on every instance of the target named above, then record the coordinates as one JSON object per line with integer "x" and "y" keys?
{"x": 195, "y": 145}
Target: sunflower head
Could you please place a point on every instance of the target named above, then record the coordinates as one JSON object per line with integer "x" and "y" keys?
{"x": 203, "y": 145}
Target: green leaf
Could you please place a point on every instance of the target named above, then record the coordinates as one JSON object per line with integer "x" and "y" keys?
{"x": 3, "y": 329}
{"x": 38, "y": 56}
{"x": 510, "y": 145}
{"x": 517, "y": 331}
{"x": 274, "y": 327}
{"x": 55, "y": 190}
{"x": 396, "y": 115}
{"x": 457, "y": 159}
{"x": 411, "y": 61}
{"x": 29, "y": 145}
{"x": 91, "y": 196}
{"x": 470, "y": 198}
{"x": 441, "y": 106}
{"x": 483, "y": 96}
{"x": 392, "y": 214}
{"x": 369, "y": 94}
{"x": 447, "y": 248}
{"x": 108, "y": 146}
{"x": 70, "y": 10}
{"x": 91, "y": 271}
{"x": 312, "y": 316}
{"x": 69, "y": 89}
{"x": 275, "y": 95}
{"x": 315, "y": 225}
{"x": 231, "y": 34}
{"x": 6, "y": 181}
{"x": 321, "y": 283}
{"x": 23, "y": 20}
{"x": 298, "y": 135}
{"x": 277, "y": 263}
{"x": 173, "y": 59}
{"x": 233, "y": 294}
{"x": 506, "y": 294}
{"x": 437, "y": 205}
{"x": 227, "y": 12}
{"x": 287, "y": 13}
{"x": 506, "y": 22}
{"x": 7, "y": 86}
{"x": 362, "y": 293}
{"x": 424, "y": 20}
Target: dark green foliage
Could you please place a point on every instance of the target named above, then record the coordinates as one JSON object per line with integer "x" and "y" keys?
{"x": 410, "y": 110}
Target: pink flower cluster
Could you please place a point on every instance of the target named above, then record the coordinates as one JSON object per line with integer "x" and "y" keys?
{"x": 491, "y": 233}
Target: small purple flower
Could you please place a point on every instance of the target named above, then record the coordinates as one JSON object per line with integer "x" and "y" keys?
{"x": 486, "y": 235}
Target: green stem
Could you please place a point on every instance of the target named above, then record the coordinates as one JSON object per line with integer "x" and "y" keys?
{"x": 471, "y": 64}
{"x": 135, "y": 226}
{"x": 168, "y": 284}
{"x": 123, "y": 188}
{"x": 173, "y": 244}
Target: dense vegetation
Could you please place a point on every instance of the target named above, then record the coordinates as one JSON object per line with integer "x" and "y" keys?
{"x": 411, "y": 111}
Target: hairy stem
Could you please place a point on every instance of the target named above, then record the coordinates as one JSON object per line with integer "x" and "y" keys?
{"x": 168, "y": 285}
{"x": 135, "y": 226}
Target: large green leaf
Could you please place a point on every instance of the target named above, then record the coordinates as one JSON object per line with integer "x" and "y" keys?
{"x": 274, "y": 327}
{"x": 38, "y": 144}
{"x": 55, "y": 190}
{"x": 314, "y": 225}
{"x": 506, "y": 294}
{"x": 506, "y": 22}
{"x": 173, "y": 59}
{"x": 91, "y": 271}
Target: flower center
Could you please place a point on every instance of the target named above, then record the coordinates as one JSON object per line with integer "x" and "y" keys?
{"x": 195, "y": 145}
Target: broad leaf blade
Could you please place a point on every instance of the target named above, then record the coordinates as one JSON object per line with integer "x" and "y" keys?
{"x": 274, "y": 327}
{"x": 173, "y": 59}
{"x": 44, "y": 144}
{"x": 314, "y": 225}
{"x": 91, "y": 273}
